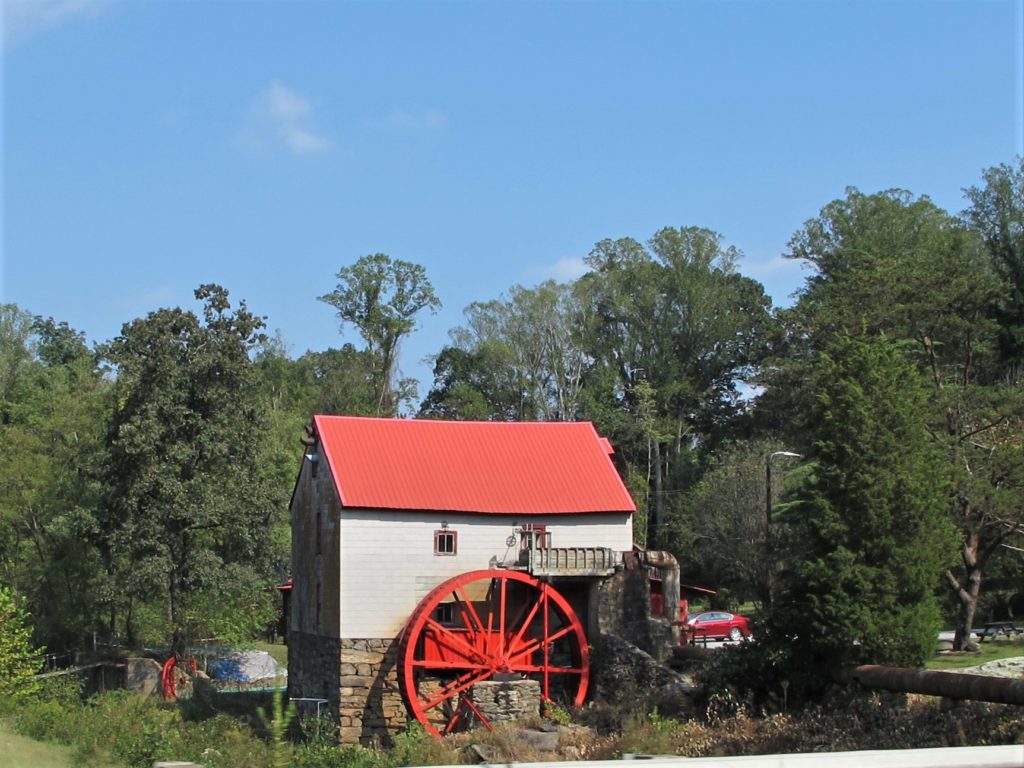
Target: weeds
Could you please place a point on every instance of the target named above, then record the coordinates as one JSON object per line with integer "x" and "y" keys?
{"x": 119, "y": 729}
{"x": 276, "y": 725}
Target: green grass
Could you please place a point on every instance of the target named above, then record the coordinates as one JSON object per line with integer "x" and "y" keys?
{"x": 19, "y": 752}
{"x": 991, "y": 650}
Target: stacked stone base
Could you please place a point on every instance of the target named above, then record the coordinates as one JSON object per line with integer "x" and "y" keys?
{"x": 366, "y": 702}
{"x": 370, "y": 705}
{"x": 355, "y": 681}
{"x": 507, "y": 700}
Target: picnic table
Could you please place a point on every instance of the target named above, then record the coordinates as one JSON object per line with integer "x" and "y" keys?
{"x": 994, "y": 628}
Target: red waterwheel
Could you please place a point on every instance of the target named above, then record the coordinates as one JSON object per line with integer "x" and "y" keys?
{"x": 483, "y": 625}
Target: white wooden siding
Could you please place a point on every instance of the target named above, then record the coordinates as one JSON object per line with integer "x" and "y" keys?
{"x": 388, "y": 563}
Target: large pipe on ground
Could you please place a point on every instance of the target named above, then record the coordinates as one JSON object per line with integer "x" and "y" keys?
{"x": 952, "y": 685}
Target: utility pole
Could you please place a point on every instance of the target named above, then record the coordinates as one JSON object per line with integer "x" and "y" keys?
{"x": 769, "y": 538}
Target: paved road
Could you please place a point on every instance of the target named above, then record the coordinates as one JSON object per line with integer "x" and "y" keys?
{"x": 948, "y": 636}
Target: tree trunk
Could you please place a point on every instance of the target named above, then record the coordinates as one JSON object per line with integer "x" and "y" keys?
{"x": 174, "y": 614}
{"x": 967, "y": 594}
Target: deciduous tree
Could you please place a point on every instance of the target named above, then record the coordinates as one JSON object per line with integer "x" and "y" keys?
{"x": 186, "y": 513}
{"x": 19, "y": 660}
{"x": 381, "y": 297}
{"x": 50, "y": 438}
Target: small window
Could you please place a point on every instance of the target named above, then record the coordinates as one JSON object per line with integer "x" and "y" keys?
{"x": 446, "y": 543}
{"x": 445, "y": 613}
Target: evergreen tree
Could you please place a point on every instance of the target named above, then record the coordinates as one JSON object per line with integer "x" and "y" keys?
{"x": 868, "y": 537}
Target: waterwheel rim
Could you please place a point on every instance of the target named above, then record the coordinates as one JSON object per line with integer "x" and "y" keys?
{"x": 521, "y": 627}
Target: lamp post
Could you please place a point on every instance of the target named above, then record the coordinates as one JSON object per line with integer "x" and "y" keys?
{"x": 768, "y": 537}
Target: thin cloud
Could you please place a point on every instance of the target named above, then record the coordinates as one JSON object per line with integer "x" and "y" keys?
{"x": 563, "y": 270}
{"x": 284, "y": 117}
{"x": 425, "y": 119}
{"x": 23, "y": 19}
{"x": 776, "y": 265}
{"x": 303, "y": 142}
{"x": 285, "y": 104}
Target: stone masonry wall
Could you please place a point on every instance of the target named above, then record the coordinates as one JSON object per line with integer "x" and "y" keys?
{"x": 312, "y": 667}
{"x": 370, "y": 705}
{"x": 357, "y": 678}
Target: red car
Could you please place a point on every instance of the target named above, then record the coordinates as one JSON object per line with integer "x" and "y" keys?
{"x": 717, "y": 624}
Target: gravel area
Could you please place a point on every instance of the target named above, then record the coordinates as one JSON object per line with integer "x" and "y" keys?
{"x": 1011, "y": 667}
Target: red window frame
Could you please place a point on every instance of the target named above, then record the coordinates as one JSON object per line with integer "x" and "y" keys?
{"x": 446, "y": 543}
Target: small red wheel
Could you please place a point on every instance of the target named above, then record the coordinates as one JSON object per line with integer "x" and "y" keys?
{"x": 485, "y": 623}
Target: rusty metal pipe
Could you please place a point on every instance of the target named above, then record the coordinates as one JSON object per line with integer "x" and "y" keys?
{"x": 952, "y": 685}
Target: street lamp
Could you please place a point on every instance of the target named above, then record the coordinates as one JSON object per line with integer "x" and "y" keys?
{"x": 768, "y": 541}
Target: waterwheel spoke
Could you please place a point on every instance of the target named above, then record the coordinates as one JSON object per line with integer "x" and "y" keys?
{"x": 502, "y": 601}
{"x": 464, "y": 704}
{"x": 452, "y": 640}
{"x": 516, "y": 640}
{"x": 470, "y": 616}
{"x": 437, "y": 664}
{"x": 546, "y": 681}
{"x": 537, "y": 643}
{"x": 456, "y": 686}
{"x": 535, "y": 668}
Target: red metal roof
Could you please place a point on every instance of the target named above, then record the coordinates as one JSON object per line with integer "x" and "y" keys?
{"x": 472, "y": 466}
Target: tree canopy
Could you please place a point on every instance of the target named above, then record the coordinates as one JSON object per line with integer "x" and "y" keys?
{"x": 185, "y": 513}
{"x": 144, "y": 483}
{"x": 869, "y": 533}
{"x": 381, "y": 297}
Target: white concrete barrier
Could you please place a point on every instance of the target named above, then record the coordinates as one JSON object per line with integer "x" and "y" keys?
{"x": 1011, "y": 756}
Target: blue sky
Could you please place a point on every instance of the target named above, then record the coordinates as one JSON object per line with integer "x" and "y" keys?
{"x": 149, "y": 147}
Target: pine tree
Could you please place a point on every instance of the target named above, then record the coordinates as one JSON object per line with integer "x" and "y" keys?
{"x": 869, "y": 536}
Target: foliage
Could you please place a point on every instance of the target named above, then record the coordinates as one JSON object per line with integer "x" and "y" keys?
{"x": 996, "y": 213}
{"x": 726, "y": 521}
{"x": 671, "y": 329}
{"x": 276, "y": 724}
{"x": 651, "y": 344}
{"x": 847, "y": 721}
{"x": 186, "y": 512}
{"x": 381, "y": 297}
{"x": 868, "y": 536}
{"x": 889, "y": 263}
{"x": 520, "y": 358}
{"x": 52, "y": 397}
{"x": 19, "y": 661}
{"x": 122, "y": 729}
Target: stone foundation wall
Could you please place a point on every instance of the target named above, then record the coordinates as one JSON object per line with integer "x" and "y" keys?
{"x": 624, "y": 605}
{"x": 507, "y": 700}
{"x": 313, "y": 665}
{"x": 357, "y": 678}
{"x": 370, "y": 705}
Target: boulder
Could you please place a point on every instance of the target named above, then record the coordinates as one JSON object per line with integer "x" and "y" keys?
{"x": 542, "y": 741}
{"x": 484, "y": 753}
{"x": 142, "y": 676}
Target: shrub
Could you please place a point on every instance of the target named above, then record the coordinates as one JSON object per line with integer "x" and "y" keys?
{"x": 51, "y": 714}
{"x": 19, "y": 661}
